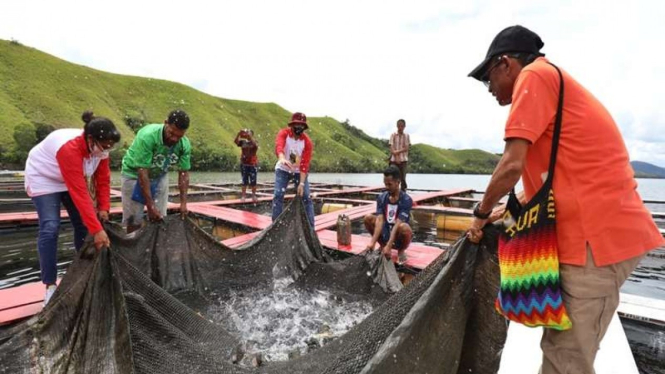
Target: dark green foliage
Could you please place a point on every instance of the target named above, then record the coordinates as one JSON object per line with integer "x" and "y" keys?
{"x": 42, "y": 130}
{"x": 134, "y": 123}
{"x": 25, "y": 138}
{"x": 115, "y": 157}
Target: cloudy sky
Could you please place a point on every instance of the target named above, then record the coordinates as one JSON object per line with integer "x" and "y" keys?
{"x": 371, "y": 62}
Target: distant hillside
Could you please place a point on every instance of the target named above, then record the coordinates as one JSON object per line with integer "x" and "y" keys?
{"x": 647, "y": 170}
{"x": 39, "y": 92}
{"x": 425, "y": 158}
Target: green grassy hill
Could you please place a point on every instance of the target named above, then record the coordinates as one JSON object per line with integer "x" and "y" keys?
{"x": 39, "y": 92}
{"x": 425, "y": 158}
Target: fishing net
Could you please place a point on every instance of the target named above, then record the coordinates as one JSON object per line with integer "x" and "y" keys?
{"x": 150, "y": 304}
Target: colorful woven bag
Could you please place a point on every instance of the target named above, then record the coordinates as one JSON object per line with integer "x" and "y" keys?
{"x": 530, "y": 290}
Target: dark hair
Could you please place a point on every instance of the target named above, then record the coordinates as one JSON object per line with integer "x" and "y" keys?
{"x": 87, "y": 116}
{"x": 178, "y": 118}
{"x": 392, "y": 171}
{"x": 401, "y": 120}
{"x": 101, "y": 128}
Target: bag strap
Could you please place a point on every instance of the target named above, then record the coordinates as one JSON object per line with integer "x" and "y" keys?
{"x": 555, "y": 147}
{"x": 557, "y": 128}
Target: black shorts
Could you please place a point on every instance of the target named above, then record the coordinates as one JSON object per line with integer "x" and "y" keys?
{"x": 248, "y": 173}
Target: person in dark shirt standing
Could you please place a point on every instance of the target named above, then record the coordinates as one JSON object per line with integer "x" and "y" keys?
{"x": 248, "y": 161}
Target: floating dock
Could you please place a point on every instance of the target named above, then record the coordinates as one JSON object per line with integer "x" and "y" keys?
{"x": 443, "y": 214}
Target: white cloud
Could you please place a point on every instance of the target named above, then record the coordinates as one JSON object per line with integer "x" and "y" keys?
{"x": 369, "y": 61}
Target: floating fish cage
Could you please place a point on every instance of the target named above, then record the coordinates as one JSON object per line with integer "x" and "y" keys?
{"x": 438, "y": 219}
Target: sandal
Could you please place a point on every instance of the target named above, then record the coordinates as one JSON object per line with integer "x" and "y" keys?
{"x": 401, "y": 258}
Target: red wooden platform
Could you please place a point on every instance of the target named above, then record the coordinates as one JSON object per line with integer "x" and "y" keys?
{"x": 21, "y": 302}
{"x": 328, "y": 220}
{"x": 248, "y": 219}
{"x": 436, "y": 194}
{"x": 240, "y": 240}
{"x": 443, "y": 209}
{"x": 260, "y": 198}
{"x": 23, "y": 217}
{"x": 418, "y": 256}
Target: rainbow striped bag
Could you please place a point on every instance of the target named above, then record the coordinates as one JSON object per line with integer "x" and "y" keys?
{"x": 530, "y": 291}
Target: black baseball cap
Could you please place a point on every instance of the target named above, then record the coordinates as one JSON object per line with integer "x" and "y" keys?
{"x": 515, "y": 39}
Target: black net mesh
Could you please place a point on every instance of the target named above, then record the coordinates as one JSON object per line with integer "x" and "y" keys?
{"x": 147, "y": 305}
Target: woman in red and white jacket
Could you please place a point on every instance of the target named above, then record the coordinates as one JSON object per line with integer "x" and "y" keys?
{"x": 294, "y": 152}
{"x": 71, "y": 167}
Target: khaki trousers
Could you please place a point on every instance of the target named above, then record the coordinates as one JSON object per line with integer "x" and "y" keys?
{"x": 591, "y": 296}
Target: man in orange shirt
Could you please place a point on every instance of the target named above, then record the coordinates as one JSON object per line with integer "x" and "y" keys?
{"x": 603, "y": 228}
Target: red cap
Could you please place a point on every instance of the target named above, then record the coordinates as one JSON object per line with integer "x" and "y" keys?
{"x": 299, "y": 119}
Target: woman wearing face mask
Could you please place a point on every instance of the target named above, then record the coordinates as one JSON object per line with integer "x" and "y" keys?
{"x": 70, "y": 167}
{"x": 294, "y": 152}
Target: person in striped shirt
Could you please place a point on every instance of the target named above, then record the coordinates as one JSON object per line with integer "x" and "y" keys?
{"x": 399, "y": 151}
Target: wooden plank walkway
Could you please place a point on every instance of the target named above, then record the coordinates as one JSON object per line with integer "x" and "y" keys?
{"x": 248, "y": 219}
{"x": 437, "y": 194}
{"x": 20, "y": 302}
{"x": 240, "y": 240}
{"x": 328, "y": 220}
{"x": 522, "y": 353}
{"x": 343, "y": 200}
{"x": 418, "y": 256}
{"x": 642, "y": 308}
{"x": 465, "y": 199}
{"x": 260, "y": 198}
{"x": 443, "y": 209}
{"x": 22, "y": 217}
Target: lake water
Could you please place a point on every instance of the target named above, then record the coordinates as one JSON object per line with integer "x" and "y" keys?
{"x": 649, "y": 189}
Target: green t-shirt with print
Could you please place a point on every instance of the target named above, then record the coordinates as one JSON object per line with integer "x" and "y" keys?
{"x": 149, "y": 152}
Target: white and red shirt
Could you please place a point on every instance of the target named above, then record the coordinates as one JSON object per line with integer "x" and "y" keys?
{"x": 62, "y": 162}
{"x": 301, "y": 148}
{"x": 400, "y": 141}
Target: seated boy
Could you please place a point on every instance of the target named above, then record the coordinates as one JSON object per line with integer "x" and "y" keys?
{"x": 390, "y": 224}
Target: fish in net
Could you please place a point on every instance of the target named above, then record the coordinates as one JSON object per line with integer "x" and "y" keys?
{"x": 147, "y": 304}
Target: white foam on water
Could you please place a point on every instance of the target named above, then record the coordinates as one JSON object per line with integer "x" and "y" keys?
{"x": 282, "y": 321}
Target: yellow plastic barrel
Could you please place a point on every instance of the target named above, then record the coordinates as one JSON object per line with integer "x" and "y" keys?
{"x": 330, "y": 207}
{"x": 223, "y": 232}
{"x": 453, "y": 223}
{"x": 424, "y": 219}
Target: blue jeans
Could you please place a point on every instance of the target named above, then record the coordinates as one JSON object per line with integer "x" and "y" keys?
{"x": 48, "y": 211}
{"x": 282, "y": 179}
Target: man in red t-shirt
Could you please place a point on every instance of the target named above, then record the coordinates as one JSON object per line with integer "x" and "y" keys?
{"x": 603, "y": 228}
{"x": 249, "y": 147}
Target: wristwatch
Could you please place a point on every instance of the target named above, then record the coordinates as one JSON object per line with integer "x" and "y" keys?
{"x": 478, "y": 214}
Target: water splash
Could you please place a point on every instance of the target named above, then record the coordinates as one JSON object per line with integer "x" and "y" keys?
{"x": 285, "y": 322}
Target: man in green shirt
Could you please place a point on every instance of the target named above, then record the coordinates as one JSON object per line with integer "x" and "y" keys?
{"x": 145, "y": 169}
